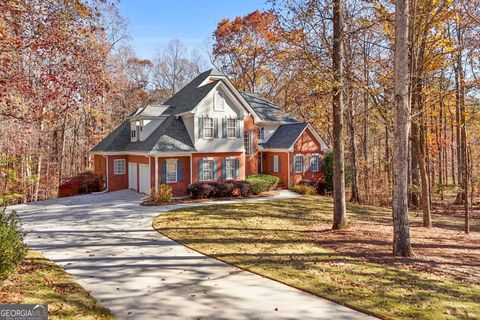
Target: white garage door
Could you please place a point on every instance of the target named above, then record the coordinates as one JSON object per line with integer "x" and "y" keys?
{"x": 144, "y": 178}
{"x": 132, "y": 176}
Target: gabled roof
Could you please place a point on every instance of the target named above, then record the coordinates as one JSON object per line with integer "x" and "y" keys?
{"x": 267, "y": 110}
{"x": 171, "y": 135}
{"x": 285, "y": 136}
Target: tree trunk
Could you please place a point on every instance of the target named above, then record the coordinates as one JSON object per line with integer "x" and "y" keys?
{"x": 339, "y": 208}
{"x": 401, "y": 228}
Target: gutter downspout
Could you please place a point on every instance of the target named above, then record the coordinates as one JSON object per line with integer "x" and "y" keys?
{"x": 106, "y": 189}
{"x": 191, "y": 169}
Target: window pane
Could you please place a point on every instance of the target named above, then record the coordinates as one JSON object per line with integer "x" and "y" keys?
{"x": 231, "y": 128}
{"x": 246, "y": 142}
{"x": 119, "y": 166}
{"x": 230, "y": 168}
{"x": 208, "y": 127}
{"x": 298, "y": 164}
{"x": 207, "y": 170}
{"x": 275, "y": 163}
{"x": 172, "y": 171}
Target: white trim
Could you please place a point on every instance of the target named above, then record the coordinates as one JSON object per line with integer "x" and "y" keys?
{"x": 106, "y": 161}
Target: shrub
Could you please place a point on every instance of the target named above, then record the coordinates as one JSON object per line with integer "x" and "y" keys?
{"x": 12, "y": 249}
{"x": 318, "y": 185}
{"x": 215, "y": 189}
{"x": 262, "y": 182}
{"x": 303, "y": 189}
{"x": 328, "y": 172}
{"x": 164, "y": 194}
{"x": 83, "y": 183}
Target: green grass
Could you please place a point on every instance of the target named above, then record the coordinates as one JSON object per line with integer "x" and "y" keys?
{"x": 40, "y": 281}
{"x": 274, "y": 239}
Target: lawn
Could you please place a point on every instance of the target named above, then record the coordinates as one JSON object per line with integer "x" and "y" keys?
{"x": 39, "y": 280}
{"x": 291, "y": 241}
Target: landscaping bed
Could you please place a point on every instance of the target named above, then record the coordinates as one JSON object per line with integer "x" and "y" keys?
{"x": 291, "y": 241}
{"x": 174, "y": 201}
{"x": 40, "y": 281}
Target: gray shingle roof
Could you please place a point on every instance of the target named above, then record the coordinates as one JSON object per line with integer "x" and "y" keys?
{"x": 171, "y": 135}
{"x": 285, "y": 136}
{"x": 267, "y": 110}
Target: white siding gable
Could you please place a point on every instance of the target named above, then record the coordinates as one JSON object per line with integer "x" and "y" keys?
{"x": 218, "y": 104}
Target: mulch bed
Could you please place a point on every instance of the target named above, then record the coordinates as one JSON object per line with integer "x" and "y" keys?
{"x": 190, "y": 200}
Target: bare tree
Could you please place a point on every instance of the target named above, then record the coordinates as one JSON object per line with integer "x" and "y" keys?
{"x": 339, "y": 207}
{"x": 401, "y": 228}
{"x": 173, "y": 69}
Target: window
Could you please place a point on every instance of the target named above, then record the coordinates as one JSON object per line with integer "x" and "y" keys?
{"x": 218, "y": 101}
{"x": 119, "y": 166}
{"x": 276, "y": 163}
{"x": 298, "y": 164}
{"x": 246, "y": 143}
{"x": 134, "y": 133}
{"x": 261, "y": 133}
{"x": 230, "y": 169}
{"x": 208, "y": 128}
{"x": 231, "y": 128}
{"x": 207, "y": 170}
{"x": 171, "y": 170}
{"x": 314, "y": 163}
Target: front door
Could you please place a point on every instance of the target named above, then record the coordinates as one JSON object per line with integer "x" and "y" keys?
{"x": 144, "y": 178}
{"x": 259, "y": 163}
{"x": 132, "y": 176}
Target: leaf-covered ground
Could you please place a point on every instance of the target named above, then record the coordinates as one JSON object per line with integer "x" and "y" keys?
{"x": 291, "y": 241}
{"x": 38, "y": 280}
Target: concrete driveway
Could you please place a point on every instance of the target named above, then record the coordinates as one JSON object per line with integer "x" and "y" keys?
{"x": 107, "y": 243}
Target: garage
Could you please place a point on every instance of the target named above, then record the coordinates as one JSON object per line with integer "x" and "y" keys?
{"x": 144, "y": 175}
{"x": 132, "y": 176}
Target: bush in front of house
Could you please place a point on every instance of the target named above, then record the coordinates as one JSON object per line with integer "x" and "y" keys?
{"x": 215, "y": 189}
{"x": 164, "y": 194}
{"x": 303, "y": 189}
{"x": 318, "y": 185}
{"x": 262, "y": 182}
{"x": 12, "y": 248}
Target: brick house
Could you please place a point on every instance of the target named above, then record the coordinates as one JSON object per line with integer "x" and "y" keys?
{"x": 207, "y": 131}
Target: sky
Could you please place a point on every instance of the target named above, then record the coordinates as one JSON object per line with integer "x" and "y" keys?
{"x": 153, "y": 23}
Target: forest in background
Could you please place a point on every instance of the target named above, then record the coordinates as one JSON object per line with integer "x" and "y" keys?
{"x": 69, "y": 75}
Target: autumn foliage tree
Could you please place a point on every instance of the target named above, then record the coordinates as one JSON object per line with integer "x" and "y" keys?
{"x": 248, "y": 50}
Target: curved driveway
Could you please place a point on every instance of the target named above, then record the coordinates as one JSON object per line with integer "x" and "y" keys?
{"x": 106, "y": 241}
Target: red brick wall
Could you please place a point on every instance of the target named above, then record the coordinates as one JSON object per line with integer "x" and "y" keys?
{"x": 267, "y": 166}
{"x": 100, "y": 169}
{"x": 251, "y": 162}
{"x": 179, "y": 188}
{"x": 117, "y": 181}
{"x": 305, "y": 145}
{"x": 218, "y": 157}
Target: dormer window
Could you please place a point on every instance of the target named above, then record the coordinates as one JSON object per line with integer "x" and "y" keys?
{"x": 261, "y": 133}
{"x": 219, "y": 101}
{"x": 136, "y": 127}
